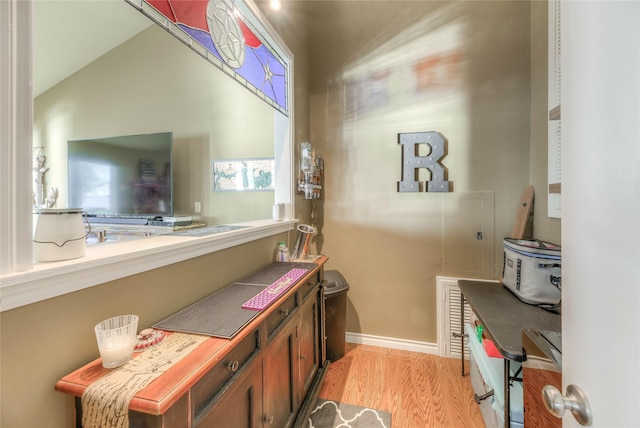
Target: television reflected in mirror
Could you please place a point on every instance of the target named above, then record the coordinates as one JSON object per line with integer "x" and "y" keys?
{"x": 123, "y": 177}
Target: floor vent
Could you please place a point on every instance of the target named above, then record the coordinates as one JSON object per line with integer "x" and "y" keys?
{"x": 449, "y": 309}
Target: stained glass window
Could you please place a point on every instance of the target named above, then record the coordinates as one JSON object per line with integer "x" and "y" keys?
{"x": 223, "y": 32}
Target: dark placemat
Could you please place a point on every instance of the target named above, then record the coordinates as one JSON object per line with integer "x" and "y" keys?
{"x": 270, "y": 274}
{"x": 219, "y": 315}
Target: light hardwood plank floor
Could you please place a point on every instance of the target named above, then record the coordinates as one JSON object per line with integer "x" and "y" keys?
{"x": 419, "y": 390}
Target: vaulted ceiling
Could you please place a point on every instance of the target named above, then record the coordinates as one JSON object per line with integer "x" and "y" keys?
{"x": 69, "y": 34}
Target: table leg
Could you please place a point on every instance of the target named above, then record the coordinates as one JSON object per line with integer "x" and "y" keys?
{"x": 462, "y": 332}
{"x": 507, "y": 394}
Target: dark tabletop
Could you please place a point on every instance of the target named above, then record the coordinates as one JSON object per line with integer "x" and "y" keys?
{"x": 221, "y": 314}
{"x": 504, "y": 316}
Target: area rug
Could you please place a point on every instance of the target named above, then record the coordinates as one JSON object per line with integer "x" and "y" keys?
{"x": 331, "y": 414}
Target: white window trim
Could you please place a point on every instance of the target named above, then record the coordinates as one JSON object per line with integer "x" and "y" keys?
{"x": 111, "y": 261}
{"x": 22, "y": 282}
{"x": 16, "y": 123}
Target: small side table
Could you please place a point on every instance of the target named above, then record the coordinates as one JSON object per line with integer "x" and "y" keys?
{"x": 504, "y": 316}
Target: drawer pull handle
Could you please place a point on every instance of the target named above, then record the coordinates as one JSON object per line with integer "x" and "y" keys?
{"x": 233, "y": 366}
{"x": 267, "y": 419}
{"x": 303, "y": 357}
{"x": 478, "y": 398}
{"x": 284, "y": 312}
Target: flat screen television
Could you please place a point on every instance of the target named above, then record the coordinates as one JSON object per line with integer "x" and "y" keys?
{"x": 123, "y": 177}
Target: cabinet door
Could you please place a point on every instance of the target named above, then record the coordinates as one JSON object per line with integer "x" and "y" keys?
{"x": 241, "y": 405}
{"x": 309, "y": 342}
{"x": 280, "y": 402}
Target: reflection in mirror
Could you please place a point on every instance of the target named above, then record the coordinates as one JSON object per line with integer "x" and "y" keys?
{"x": 128, "y": 176}
{"x": 149, "y": 82}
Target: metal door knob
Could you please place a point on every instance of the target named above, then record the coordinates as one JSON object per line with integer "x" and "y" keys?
{"x": 575, "y": 401}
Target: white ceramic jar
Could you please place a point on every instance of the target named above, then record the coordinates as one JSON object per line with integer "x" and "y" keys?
{"x": 59, "y": 235}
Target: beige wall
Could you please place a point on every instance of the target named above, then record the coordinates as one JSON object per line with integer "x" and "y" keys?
{"x": 463, "y": 69}
{"x": 44, "y": 341}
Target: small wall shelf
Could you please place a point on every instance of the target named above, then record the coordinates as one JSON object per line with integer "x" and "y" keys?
{"x": 311, "y": 178}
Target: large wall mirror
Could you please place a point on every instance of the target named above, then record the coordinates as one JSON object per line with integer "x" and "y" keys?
{"x": 103, "y": 69}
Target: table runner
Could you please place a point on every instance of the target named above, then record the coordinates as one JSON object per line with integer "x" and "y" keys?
{"x": 105, "y": 403}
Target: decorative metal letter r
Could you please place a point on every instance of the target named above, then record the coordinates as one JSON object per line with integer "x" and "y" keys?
{"x": 411, "y": 162}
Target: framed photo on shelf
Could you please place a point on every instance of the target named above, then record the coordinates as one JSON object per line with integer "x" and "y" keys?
{"x": 241, "y": 175}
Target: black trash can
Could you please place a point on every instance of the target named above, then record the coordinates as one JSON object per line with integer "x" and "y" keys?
{"x": 335, "y": 303}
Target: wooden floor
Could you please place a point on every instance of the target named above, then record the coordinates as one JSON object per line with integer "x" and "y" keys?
{"x": 419, "y": 390}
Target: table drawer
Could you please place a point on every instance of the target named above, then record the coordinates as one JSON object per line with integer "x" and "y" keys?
{"x": 282, "y": 313}
{"x": 308, "y": 287}
{"x": 204, "y": 392}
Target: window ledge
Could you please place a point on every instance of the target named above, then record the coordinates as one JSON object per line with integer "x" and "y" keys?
{"x": 111, "y": 261}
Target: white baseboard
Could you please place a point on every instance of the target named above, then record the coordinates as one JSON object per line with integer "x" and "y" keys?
{"x": 393, "y": 343}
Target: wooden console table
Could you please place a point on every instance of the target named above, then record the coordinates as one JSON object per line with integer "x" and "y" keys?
{"x": 270, "y": 372}
{"x": 504, "y": 316}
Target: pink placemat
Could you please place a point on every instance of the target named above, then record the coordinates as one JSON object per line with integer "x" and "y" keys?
{"x": 275, "y": 290}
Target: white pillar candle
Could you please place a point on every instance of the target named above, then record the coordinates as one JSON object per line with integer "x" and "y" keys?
{"x": 115, "y": 351}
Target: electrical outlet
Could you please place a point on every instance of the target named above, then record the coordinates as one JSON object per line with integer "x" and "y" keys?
{"x": 197, "y": 208}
